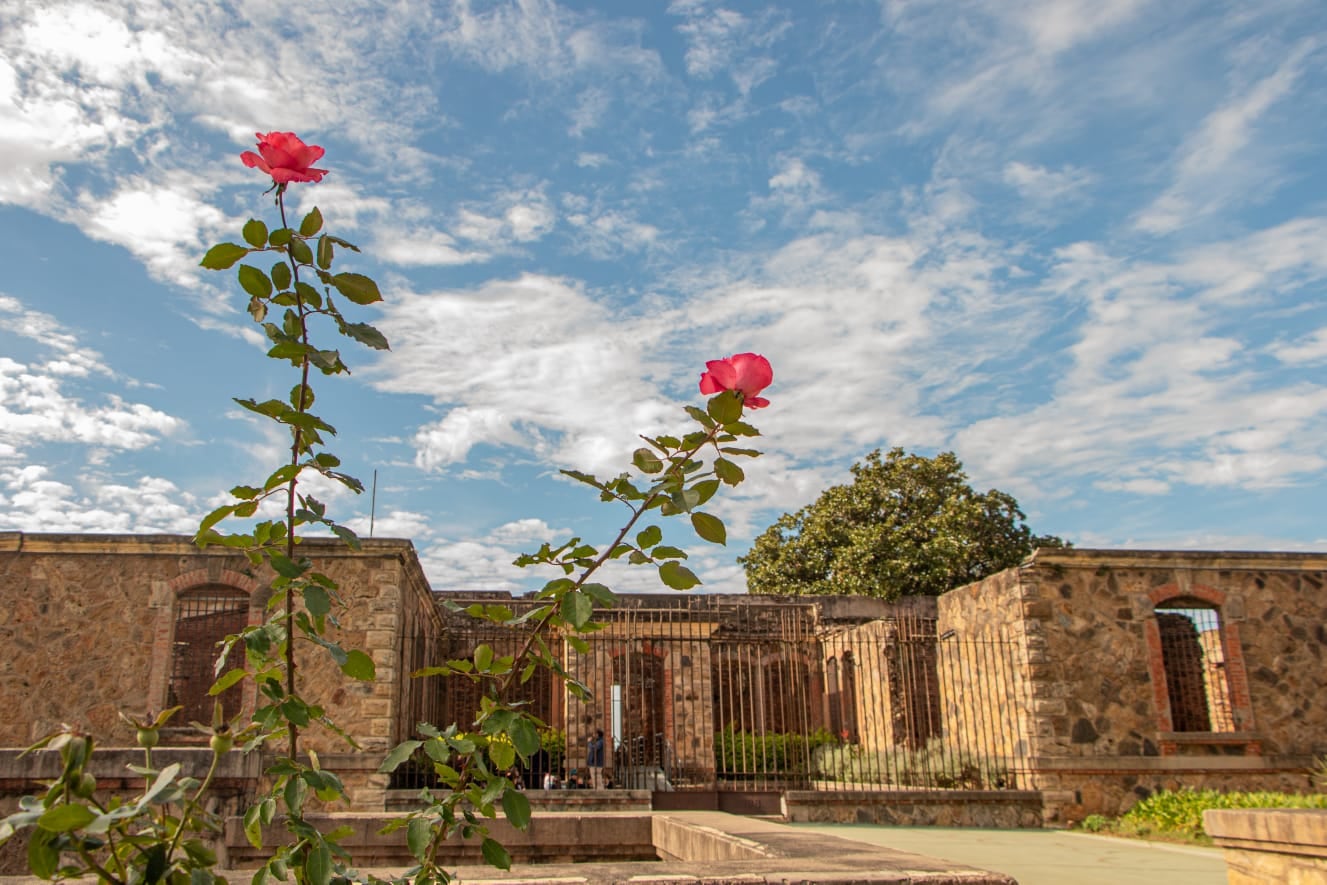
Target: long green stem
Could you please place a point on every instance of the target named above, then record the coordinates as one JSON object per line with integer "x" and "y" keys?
{"x": 192, "y": 804}
{"x": 292, "y": 729}
{"x": 441, "y": 833}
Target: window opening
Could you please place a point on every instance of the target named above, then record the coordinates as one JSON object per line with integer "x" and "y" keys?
{"x": 203, "y": 618}
{"x": 1193, "y": 657}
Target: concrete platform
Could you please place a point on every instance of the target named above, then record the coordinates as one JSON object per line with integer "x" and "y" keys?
{"x": 713, "y": 848}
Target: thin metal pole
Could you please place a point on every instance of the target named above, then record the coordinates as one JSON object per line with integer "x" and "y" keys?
{"x": 373, "y": 503}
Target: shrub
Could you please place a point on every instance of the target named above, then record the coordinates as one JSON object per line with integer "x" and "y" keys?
{"x": 745, "y": 752}
{"x": 1180, "y": 813}
{"x": 939, "y": 764}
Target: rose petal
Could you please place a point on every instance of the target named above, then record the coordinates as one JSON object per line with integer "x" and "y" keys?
{"x": 753, "y": 371}
{"x": 723, "y": 373}
{"x": 708, "y": 385}
{"x": 755, "y": 402}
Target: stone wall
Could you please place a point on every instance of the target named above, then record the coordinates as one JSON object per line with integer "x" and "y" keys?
{"x": 1097, "y": 711}
{"x": 88, "y": 624}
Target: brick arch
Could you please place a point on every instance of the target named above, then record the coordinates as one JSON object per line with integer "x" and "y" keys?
{"x": 1236, "y": 674}
{"x": 1172, "y": 591}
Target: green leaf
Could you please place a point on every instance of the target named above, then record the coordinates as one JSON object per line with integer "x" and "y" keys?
{"x": 325, "y": 253}
{"x": 359, "y": 666}
{"x": 646, "y": 461}
{"x": 254, "y": 281}
{"x": 281, "y": 275}
{"x": 253, "y": 826}
{"x": 733, "y": 450}
{"x": 64, "y": 818}
{"x": 741, "y": 428}
{"x": 43, "y": 856}
{"x": 280, "y": 237}
{"x": 357, "y": 287}
{"x": 582, "y": 477}
{"x": 516, "y": 807}
{"x": 400, "y": 753}
{"x": 226, "y": 681}
{"x": 677, "y": 576}
{"x": 577, "y": 608}
{"x": 483, "y": 657}
{"x": 524, "y": 736}
{"x": 317, "y": 601}
{"x": 704, "y": 490}
{"x": 649, "y": 537}
{"x": 300, "y": 251}
{"x": 495, "y": 854}
{"x": 669, "y": 553}
{"x": 725, "y": 407}
{"x": 287, "y": 568}
{"x": 366, "y": 335}
{"x": 255, "y": 233}
{"x": 728, "y": 471}
{"x": 318, "y": 868}
{"x": 709, "y": 527}
{"x": 503, "y": 755}
{"x": 417, "y": 836}
{"x": 600, "y": 594}
{"x": 700, "y": 416}
{"x": 312, "y": 223}
{"x": 222, "y": 256}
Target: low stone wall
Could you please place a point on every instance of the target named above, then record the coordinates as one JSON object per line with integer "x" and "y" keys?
{"x": 1286, "y": 845}
{"x": 1075, "y": 788}
{"x": 996, "y": 809}
{"x": 551, "y": 800}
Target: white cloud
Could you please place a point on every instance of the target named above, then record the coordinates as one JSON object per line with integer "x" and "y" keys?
{"x": 1040, "y": 185}
{"x": 416, "y": 248}
{"x": 32, "y": 502}
{"x": 1213, "y": 167}
{"x": 1309, "y": 350}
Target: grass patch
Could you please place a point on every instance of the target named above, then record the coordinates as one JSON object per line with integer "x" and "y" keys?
{"x": 1178, "y": 816}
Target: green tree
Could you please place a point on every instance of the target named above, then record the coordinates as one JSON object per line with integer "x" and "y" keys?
{"x": 906, "y": 525}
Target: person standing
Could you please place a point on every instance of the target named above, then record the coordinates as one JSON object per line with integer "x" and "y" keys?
{"x": 594, "y": 759}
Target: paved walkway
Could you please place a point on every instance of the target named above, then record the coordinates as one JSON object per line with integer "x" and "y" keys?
{"x": 1048, "y": 857}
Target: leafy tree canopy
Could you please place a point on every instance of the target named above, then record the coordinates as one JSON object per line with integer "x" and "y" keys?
{"x": 905, "y": 525}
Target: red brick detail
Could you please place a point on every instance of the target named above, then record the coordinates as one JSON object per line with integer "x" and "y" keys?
{"x": 1156, "y": 665}
{"x": 1241, "y": 703}
{"x": 165, "y": 629}
{"x": 200, "y": 577}
{"x": 1170, "y": 591}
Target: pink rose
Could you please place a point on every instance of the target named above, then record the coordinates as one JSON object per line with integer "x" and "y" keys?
{"x": 285, "y": 158}
{"x": 747, "y": 373}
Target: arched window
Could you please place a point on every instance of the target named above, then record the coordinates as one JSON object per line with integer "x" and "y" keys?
{"x": 204, "y": 617}
{"x": 1193, "y": 658}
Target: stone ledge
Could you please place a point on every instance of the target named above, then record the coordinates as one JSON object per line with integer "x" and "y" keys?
{"x": 1272, "y": 844}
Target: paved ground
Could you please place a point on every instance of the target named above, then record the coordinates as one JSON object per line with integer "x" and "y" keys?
{"x": 1048, "y": 857}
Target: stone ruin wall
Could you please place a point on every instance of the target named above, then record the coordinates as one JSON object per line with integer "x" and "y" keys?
{"x": 988, "y": 660}
{"x": 1099, "y": 712}
{"x": 87, "y": 626}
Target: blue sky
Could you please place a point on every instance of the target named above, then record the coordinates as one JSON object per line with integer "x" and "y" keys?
{"x": 1082, "y": 243}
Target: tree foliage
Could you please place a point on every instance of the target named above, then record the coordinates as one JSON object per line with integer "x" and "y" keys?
{"x": 906, "y": 525}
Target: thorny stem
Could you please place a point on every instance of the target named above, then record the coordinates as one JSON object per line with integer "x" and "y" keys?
{"x": 193, "y": 803}
{"x": 518, "y": 662}
{"x": 298, "y": 438}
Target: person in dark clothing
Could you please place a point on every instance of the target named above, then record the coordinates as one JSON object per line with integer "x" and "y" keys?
{"x": 594, "y": 759}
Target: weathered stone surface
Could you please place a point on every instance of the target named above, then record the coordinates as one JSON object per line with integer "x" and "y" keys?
{"x": 1271, "y": 845}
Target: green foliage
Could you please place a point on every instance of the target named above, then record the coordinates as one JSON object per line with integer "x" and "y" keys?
{"x": 906, "y": 525}
{"x": 1095, "y": 823}
{"x": 738, "y": 753}
{"x": 1179, "y": 813}
{"x": 938, "y": 764}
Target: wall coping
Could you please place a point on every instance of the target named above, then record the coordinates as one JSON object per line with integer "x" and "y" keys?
{"x": 1185, "y": 559}
{"x": 1295, "y": 831}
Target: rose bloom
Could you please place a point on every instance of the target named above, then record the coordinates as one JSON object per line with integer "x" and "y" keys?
{"x": 747, "y": 373}
{"x": 285, "y": 158}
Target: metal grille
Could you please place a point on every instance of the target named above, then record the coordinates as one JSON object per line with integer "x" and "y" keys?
{"x": 204, "y": 617}
{"x": 1195, "y": 667}
{"x": 758, "y": 694}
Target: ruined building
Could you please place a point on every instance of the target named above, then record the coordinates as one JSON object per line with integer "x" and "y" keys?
{"x": 1073, "y": 684}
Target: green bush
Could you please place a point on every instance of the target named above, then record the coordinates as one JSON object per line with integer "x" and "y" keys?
{"x": 1095, "y": 823}
{"x": 1180, "y": 813}
{"x": 938, "y": 764}
{"x": 745, "y": 752}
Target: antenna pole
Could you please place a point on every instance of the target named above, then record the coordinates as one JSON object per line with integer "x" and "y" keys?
{"x": 373, "y": 503}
